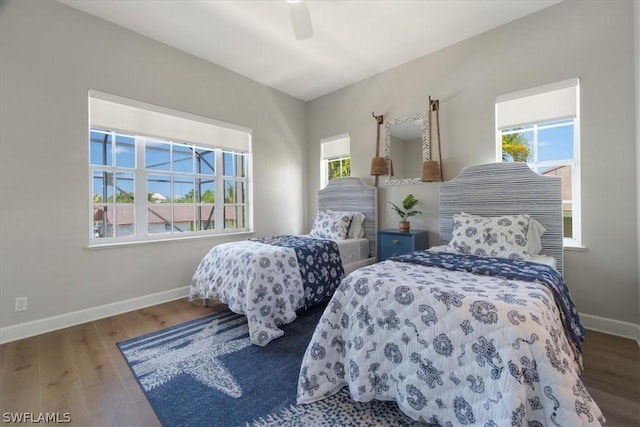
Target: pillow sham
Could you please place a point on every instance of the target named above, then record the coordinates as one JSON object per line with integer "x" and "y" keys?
{"x": 534, "y": 234}
{"x": 504, "y": 236}
{"x": 356, "y": 228}
{"x": 540, "y": 259}
{"x": 330, "y": 226}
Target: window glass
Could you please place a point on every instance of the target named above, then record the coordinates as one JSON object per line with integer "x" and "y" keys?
{"x": 234, "y": 217}
{"x": 339, "y": 167}
{"x": 241, "y": 192}
{"x": 207, "y": 217}
{"x": 183, "y": 190}
{"x": 205, "y": 190}
{"x": 102, "y": 191}
{"x": 234, "y": 164}
{"x": 102, "y": 186}
{"x": 125, "y": 220}
{"x": 124, "y": 188}
{"x": 242, "y": 166}
{"x": 336, "y": 161}
{"x": 100, "y": 148}
{"x": 234, "y": 191}
{"x": 205, "y": 161}
{"x": 159, "y": 218}
{"x": 555, "y": 142}
{"x": 182, "y": 158}
{"x": 158, "y": 155}
{"x": 158, "y": 188}
{"x": 125, "y": 151}
{"x": 517, "y": 145}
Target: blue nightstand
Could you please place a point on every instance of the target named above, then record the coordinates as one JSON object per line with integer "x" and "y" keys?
{"x": 393, "y": 242}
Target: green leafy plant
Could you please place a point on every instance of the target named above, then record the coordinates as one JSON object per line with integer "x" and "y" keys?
{"x": 407, "y": 210}
{"x": 515, "y": 148}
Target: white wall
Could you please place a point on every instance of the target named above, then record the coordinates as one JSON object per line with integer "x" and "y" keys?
{"x": 50, "y": 56}
{"x": 591, "y": 40}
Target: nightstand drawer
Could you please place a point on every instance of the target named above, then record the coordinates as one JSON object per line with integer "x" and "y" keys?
{"x": 393, "y": 242}
{"x": 393, "y": 245}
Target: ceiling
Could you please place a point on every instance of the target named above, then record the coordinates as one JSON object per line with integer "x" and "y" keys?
{"x": 352, "y": 39}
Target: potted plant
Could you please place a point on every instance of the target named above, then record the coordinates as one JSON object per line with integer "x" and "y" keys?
{"x": 406, "y": 211}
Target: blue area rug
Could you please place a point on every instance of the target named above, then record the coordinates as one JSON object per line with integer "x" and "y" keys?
{"x": 206, "y": 372}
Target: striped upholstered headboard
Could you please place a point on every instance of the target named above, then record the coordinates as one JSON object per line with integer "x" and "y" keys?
{"x": 496, "y": 189}
{"x": 351, "y": 194}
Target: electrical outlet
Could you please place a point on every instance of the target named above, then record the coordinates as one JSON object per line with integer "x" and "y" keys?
{"x": 21, "y": 304}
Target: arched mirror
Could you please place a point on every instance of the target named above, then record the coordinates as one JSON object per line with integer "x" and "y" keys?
{"x": 406, "y": 146}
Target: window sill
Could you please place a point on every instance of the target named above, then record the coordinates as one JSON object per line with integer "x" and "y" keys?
{"x": 575, "y": 248}
{"x": 112, "y": 245}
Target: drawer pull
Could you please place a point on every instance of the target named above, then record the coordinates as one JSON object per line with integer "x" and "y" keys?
{"x": 396, "y": 242}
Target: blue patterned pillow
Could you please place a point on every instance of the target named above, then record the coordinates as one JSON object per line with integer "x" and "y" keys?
{"x": 534, "y": 235}
{"x": 356, "y": 227}
{"x": 504, "y": 237}
{"x": 330, "y": 225}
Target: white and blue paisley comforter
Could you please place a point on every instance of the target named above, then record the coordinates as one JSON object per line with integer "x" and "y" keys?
{"x": 453, "y": 344}
{"x": 268, "y": 279}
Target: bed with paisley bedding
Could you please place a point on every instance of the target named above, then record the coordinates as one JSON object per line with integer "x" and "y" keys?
{"x": 479, "y": 331}
{"x": 269, "y": 279}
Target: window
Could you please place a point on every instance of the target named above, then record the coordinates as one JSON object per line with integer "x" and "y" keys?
{"x": 540, "y": 126}
{"x": 336, "y": 158}
{"x": 113, "y": 184}
{"x": 339, "y": 166}
{"x": 147, "y": 187}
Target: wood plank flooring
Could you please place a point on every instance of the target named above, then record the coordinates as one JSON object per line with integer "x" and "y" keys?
{"x": 80, "y": 371}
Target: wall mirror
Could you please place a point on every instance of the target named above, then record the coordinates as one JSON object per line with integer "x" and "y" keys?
{"x": 406, "y": 147}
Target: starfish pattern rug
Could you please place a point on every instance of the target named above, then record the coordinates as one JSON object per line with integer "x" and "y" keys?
{"x": 206, "y": 372}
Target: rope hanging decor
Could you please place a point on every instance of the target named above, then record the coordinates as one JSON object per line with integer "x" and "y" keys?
{"x": 431, "y": 169}
{"x": 378, "y": 164}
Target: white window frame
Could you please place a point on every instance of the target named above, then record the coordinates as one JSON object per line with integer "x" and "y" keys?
{"x": 333, "y": 148}
{"x": 210, "y": 130}
{"x": 576, "y": 204}
{"x": 111, "y": 170}
{"x": 221, "y": 189}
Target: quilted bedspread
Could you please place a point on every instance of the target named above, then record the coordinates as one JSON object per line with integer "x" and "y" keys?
{"x": 268, "y": 279}
{"x": 454, "y": 340}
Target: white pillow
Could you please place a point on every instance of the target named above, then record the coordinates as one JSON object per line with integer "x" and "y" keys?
{"x": 330, "y": 226}
{"x": 356, "y": 229}
{"x": 504, "y": 236}
{"x": 535, "y": 232}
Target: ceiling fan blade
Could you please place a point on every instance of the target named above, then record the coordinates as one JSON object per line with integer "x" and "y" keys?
{"x": 301, "y": 20}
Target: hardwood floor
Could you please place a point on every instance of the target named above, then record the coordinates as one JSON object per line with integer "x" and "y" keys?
{"x": 612, "y": 376}
{"x": 80, "y": 371}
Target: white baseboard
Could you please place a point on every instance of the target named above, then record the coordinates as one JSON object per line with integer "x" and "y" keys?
{"x": 41, "y": 326}
{"x": 612, "y": 327}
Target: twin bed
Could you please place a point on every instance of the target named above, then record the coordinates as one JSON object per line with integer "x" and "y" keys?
{"x": 269, "y": 279}
{"x": 480, "y": 331}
